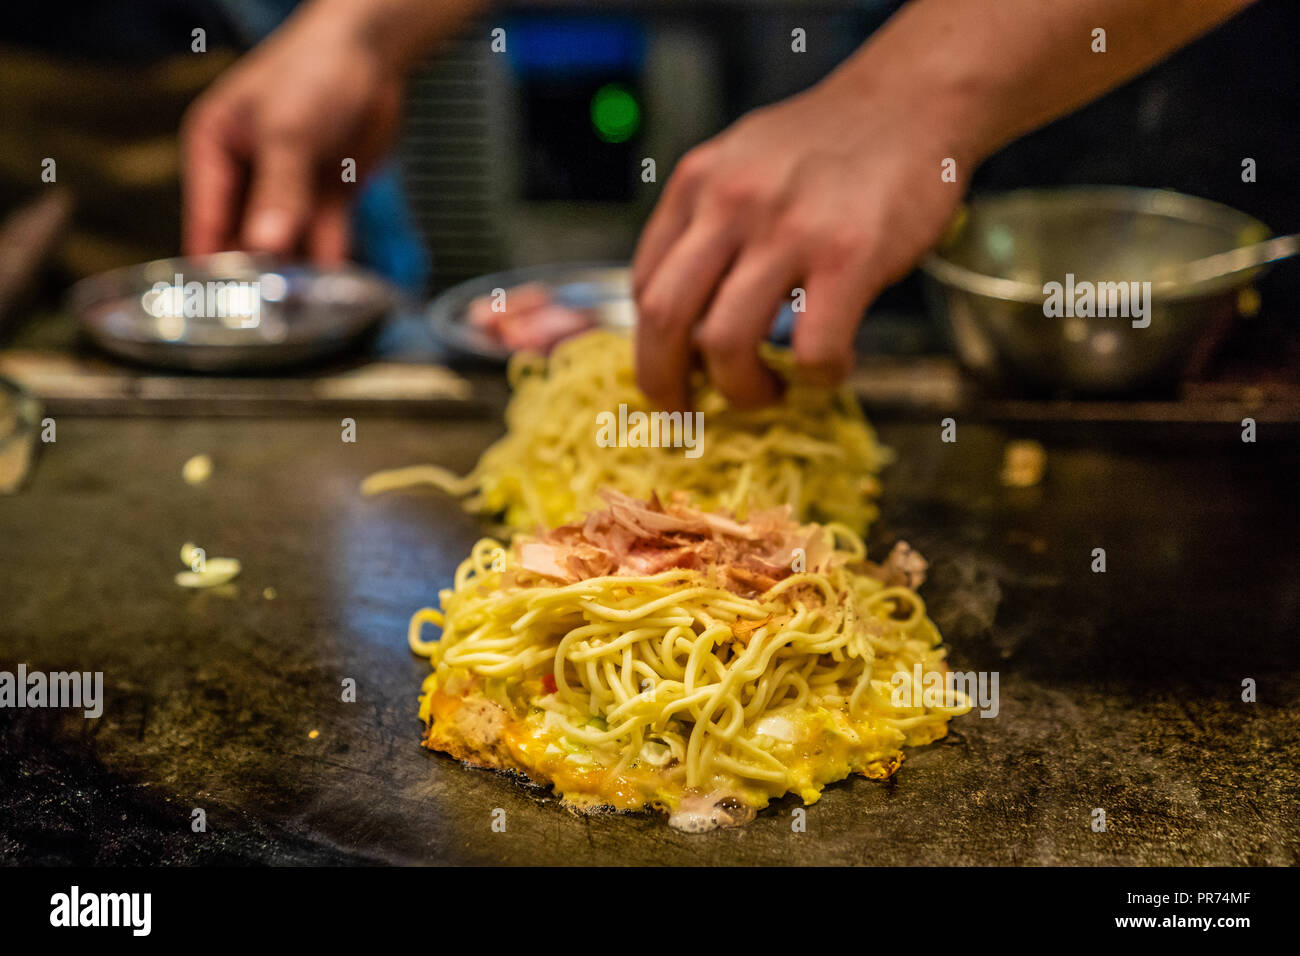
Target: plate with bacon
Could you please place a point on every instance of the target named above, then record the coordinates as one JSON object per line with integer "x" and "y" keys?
{"x": 532, "y": 309}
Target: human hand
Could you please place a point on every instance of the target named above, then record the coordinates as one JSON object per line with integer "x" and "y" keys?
{"x": 838, "y": 190}
{"x": 834, "y": 191}
{"x": 262, "y": 148}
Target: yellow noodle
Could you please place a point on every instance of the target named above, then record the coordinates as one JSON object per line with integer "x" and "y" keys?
{"x": 639, "y": 659}
{"x": 813, "y": 451}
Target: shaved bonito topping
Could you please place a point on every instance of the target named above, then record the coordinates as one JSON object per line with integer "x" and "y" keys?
{"x": 634, "y": 537}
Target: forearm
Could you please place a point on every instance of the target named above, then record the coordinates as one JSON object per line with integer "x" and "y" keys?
{"x": 398, "y": 32}
{"x": 992, "y": 71}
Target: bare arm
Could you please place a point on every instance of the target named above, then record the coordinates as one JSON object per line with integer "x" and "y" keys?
{"x": 838, "y": 190}
{"x": 1003, "y": 69}
{"x": 403, "y": 31}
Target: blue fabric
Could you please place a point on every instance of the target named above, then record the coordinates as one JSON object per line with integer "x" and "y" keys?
{"x": 385, "y": 237}
{"x": 254, "y": 19}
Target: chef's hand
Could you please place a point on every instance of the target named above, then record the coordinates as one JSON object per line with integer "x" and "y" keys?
{"x": 830, "y": 192}
{"x": 263, "y": 148}
{"x": 840, "y": 190}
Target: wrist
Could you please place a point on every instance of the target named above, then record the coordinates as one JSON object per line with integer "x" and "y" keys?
{"x": 397, "y": 34}
{"x": 377, "y": 32}
{"x": 940, "y": 112}
{"x": 946, "y": 106}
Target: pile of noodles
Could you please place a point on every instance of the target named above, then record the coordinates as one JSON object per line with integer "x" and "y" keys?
{"x": 813, "y": 451}
{"x": 671, "y": 669}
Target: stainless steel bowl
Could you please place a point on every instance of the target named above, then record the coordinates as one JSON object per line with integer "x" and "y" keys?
{"x": 986, "y": 281}
{"x": 185, "y": 313}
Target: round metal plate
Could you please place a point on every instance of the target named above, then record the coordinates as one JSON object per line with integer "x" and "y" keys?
{"x": 229, "y": 312}
{"x": 604, "y": 288}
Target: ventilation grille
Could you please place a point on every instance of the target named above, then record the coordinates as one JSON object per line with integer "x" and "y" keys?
{"x": 453, "y": 167}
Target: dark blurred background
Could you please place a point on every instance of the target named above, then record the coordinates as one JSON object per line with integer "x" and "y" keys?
{"x": 535, "y": 156}
{"x": 505, "y": 166}
{"x": 695, "y": 67}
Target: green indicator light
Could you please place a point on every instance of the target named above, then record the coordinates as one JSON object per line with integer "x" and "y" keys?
{"x": 615, "y": 113}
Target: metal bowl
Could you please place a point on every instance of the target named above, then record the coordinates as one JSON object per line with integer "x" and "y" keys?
{"x": 231, "y": 311}
{"x": 987, "y": 281}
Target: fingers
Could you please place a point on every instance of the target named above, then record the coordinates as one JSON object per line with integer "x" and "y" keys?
{"x": 739, "y": 320}
{"x": 668, "y": 220}
{"x": 676, "y": 295}
{"x": 279, "y": 198}
{"x": 738, "y": 292}
{"x": 211, "y": 185}
{"x": 278, "y": 216}
{"x": 329, "y": 236}
{"x": 836, "y": 298}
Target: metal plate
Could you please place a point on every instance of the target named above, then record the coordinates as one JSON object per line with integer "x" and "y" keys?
{"x": 605, "y": 288}
{"x": 229, "y": 312}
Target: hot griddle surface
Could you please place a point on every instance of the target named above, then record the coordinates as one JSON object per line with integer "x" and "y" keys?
{"x": 1119, "y": 691}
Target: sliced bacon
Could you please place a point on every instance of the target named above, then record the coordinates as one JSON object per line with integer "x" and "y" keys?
{"x": 531, "y": 320}
{"x": 542, "y": 329}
